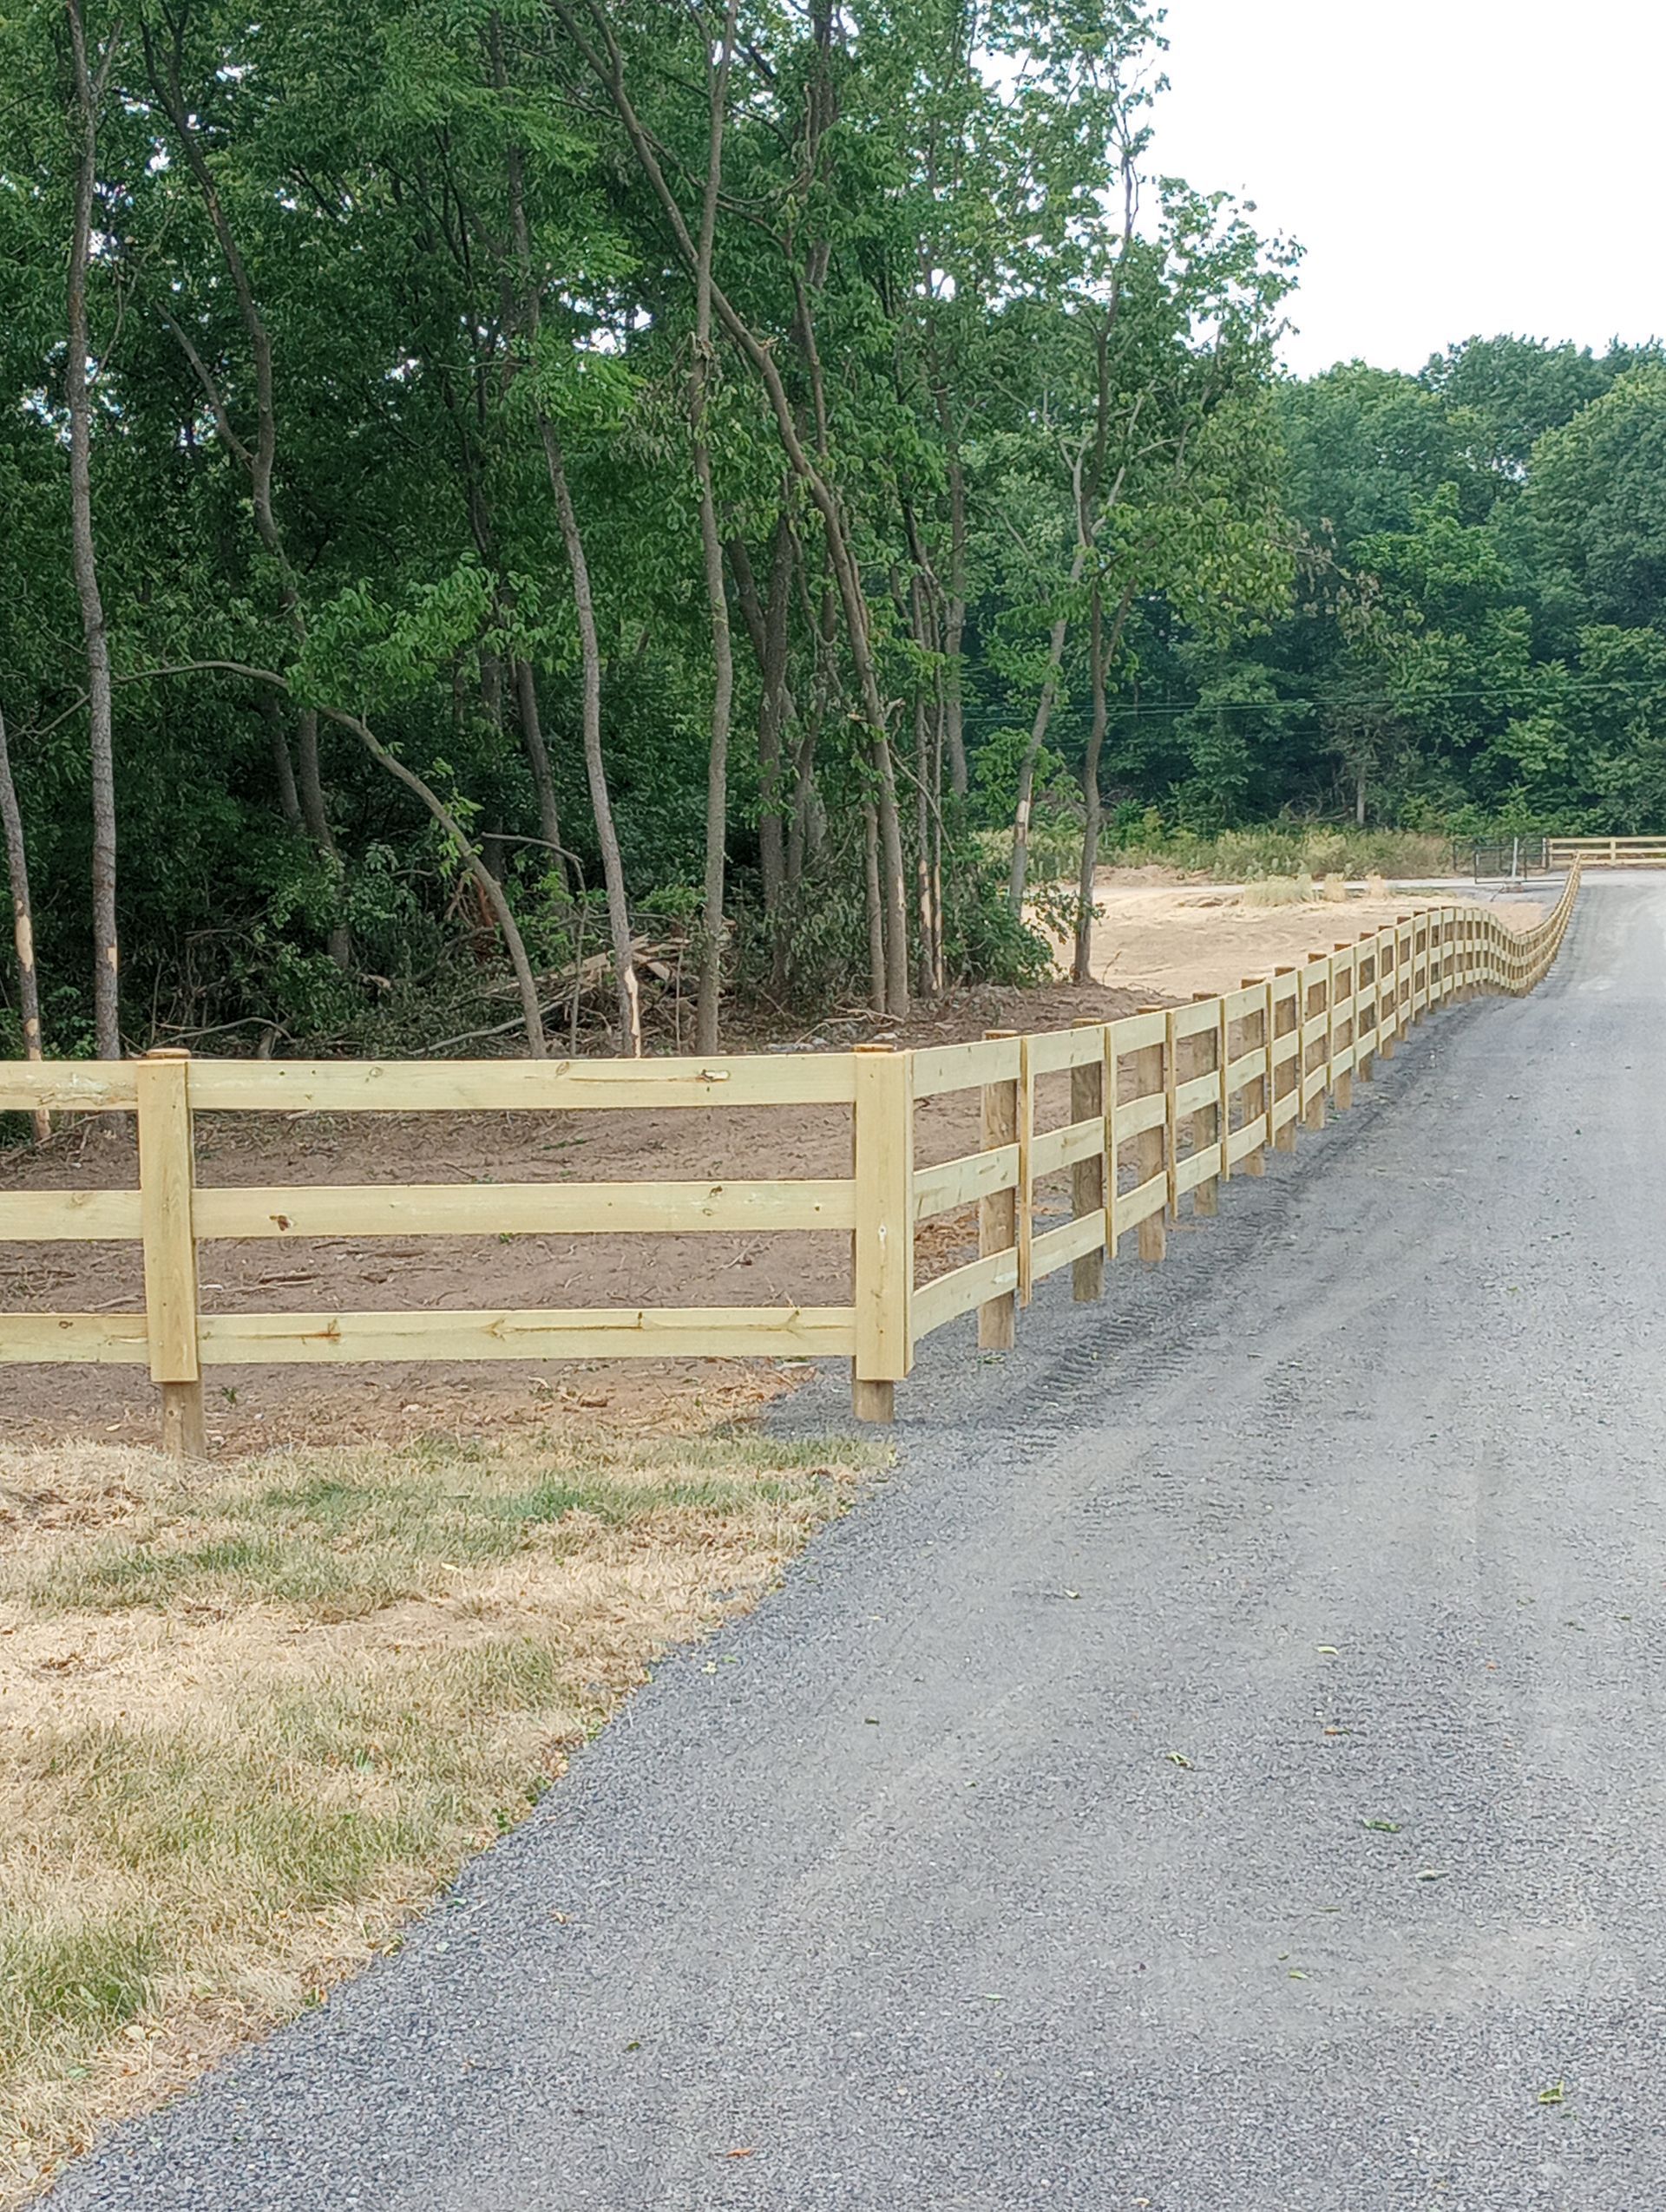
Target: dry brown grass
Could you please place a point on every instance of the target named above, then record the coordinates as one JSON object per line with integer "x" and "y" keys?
{"x": 251, "y": 1719}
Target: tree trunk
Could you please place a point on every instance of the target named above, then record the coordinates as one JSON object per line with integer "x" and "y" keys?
{"x": 613, "y": 867}
{"x": 544, "y": 780}
{"x": 1359, "y": 792}
{"x": 283, "y": 765}
{"x": 954, "y": 625}
{"x": 1101, "y": 653}
{"x": 1081, "y": 969}
{"x": 23, "y": 922}
{"x": 710, "y": 998}
{"x": 491, "y": 890}
{"x": 875, "y": 908}
{"x": 107, "y": 980}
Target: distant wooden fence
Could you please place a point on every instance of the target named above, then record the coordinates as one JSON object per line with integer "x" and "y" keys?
{"x": 1606, "y": 852}
{"x": 1162, "y": 1105}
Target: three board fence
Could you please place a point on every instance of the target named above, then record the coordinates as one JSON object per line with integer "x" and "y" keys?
{"x": 1162, "y": 1105}
{"x": 1605, "y": 852}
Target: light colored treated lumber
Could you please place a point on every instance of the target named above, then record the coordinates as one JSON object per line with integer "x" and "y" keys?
{"x": 1071, "y": 1241}
{"x": 1026, "y": 1169}
{"x": 1143, "y": 1203}
{"x": 1050, "y": 1052}
{"x": 68, "y": 1216}
{"x": 981, "y": 1283}
{"x": 1243, "y": 1146}
{"x": 1138, "y": 1032}
{"x": 1088, "y": 1177}
{"x": 958, "y": 1182}
{"x": 1286, "y": 1053}
{"x": 1151, "y": 1145}
{"x": 1197, "y": 1170}
{"x": 1248, "y": 1068}
{"x": 1135, "y": 1116}
{"x": 1316, "y": 1032}
{"x": 1206, "y": 1115}
{"x": 521, "y": 1209}
{"x": 882, "y": 1246}
{"x": 998, "y": 1212}
{"x": 167, "y": 1172}
{"x": 1196, "y": 1020}
{"x": 86, "y": 1086}
{"x": 503, "y": 1086}
{"x": 556, "y": 1332}
{"x": 85, "y": 1340}
{"x": 1196, "y": 1091}
{"x": 942, "y": 1068}
{"x": 185, "y": 1428}
{"x": 1078, "y": 1140}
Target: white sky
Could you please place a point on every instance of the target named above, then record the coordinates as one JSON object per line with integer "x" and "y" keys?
{"x": 1451, "y": 167}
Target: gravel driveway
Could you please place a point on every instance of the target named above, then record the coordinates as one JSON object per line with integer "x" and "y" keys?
{"x": 1220, "y": 1771}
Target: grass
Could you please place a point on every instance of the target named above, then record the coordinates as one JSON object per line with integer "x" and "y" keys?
{"x": 253, "y": 1718}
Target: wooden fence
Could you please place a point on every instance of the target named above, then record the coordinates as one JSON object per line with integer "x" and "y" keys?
{"x": 1165, "y": 1105}
{"x": 1606, "y": 852}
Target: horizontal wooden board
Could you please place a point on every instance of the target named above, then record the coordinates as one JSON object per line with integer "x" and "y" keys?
{"x": 1285, "y": 1047}
{"x": 1251, "y": 1138}
{"x": 1315, "y": 1085}
{"x": 572, "y": 1332}
{"x": 947, "y": 1297}
{"x": 941, "y": 1068}
{"x": 1249, "y": 1067}
{"x": 1057, "y": 1149}
{"x": 521, "y": 1209}
{"x": 1194, "y": 1020}
{"x": 1073, "y": 1241}
{"x": 1200, "y": 1168}
{"x": 1138, "y": 1032}
{"x": 1136, "y": 1115}
{"x": 95, "y": 1339}
{"x": 68, "y": 1216}
{"x": 1138, "y": 1204}
{"x": 1315, "y": 1028}
{"x": 1284, "y": 1109}
{"x": 503, "y": 1086}
{"x": 1252, "y": 999}
{"x": 1197, "y": 1091}
{"x": 1051, "y": 1049}
{"x": 957, "y": 1182}
{"x": 67, "y": 1086}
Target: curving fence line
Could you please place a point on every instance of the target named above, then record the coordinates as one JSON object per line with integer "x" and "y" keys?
{"x": 1127, "y": 1118}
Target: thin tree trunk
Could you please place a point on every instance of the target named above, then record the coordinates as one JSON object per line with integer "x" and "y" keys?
{"x": 613, "y": 867}
{"x": 1044, "y": 707}
{"x": 955, "y": 625}
{"x": 491, "y": 889}
{"x": 1101, "y": 653}
{"x": 606, "y": 62}
{"x": 107, "y": 976}
{"x": 23, "y": 922}
{"x": 709, "y": 1002}
{"x": 875, "y": 909}
{"x": 544, "y": 780}
{"x": 283, "y": 764}
{"x": 315, "y": 813}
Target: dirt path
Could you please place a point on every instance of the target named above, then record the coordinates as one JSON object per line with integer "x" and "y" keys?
{"x": 1218, "y": 1774}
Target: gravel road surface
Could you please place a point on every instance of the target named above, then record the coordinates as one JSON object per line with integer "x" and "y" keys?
{"x": 1220, "y": 1770}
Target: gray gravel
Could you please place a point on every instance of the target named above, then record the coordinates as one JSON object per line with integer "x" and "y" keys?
{"x": 1354, "y": 1506}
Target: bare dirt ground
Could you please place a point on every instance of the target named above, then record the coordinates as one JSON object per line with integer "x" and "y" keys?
{"x": 1156, "y": 943}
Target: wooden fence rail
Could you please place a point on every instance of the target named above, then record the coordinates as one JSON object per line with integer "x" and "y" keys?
{"x": 1606, "y": 852}
{"x": 1162, "y": 1105}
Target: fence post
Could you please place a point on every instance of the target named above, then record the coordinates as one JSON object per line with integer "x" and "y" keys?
{"x": 1151, "y": 1146}
{"x": 1312, "y": 1115}
{"x": 1206, "y": 1197}
{"x": 1365, "y": 1063}
{"x": 1258, "y": 1094}
{"x": 167, "y": 1183}
{"x": 998, "y": 1212}
{"x": 1284, "y": 1136}
{"x": 1342, "y": 1086}
{"x": 1089, "y": 1191}
{"x": 882, "y": 1247}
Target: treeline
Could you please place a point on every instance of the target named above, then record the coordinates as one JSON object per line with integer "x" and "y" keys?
{"x": 497, "y": 497}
